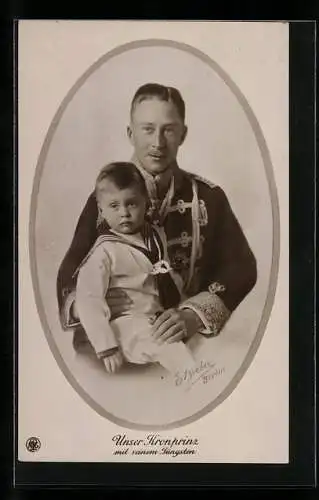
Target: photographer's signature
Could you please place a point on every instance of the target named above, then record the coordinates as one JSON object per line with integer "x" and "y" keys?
{"x": 204, "y": 372}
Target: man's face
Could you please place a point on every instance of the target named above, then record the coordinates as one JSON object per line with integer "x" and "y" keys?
{"x": 156, "y": 132}
{"x": 123, "y": 209}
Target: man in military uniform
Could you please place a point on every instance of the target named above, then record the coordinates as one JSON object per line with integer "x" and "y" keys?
{"x": 205, "y": 243}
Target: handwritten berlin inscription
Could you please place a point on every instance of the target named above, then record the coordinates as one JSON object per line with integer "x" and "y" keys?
{"x": 206, "y": 371}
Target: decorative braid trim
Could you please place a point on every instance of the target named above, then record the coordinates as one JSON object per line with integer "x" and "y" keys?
{"x": 211, "y": 310}
{"x": 180, "y": 206}
{"x": 205, "y": 181}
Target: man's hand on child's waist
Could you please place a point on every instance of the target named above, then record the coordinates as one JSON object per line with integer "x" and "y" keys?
{"x": 174, "y": 325}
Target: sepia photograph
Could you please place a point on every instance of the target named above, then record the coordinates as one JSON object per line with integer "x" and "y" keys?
{"x": 154, "y": 235}
{"x": 164, "y": 266}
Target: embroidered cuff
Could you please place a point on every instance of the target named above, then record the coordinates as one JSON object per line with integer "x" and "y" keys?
{"x": 67, "y": 319}
{"x": 211, "y": 310}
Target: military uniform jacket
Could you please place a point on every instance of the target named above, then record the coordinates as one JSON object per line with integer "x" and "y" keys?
{"x": 205, "y": 243}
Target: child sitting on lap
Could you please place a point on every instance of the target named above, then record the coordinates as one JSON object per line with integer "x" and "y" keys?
{"x": 129, "y": 254}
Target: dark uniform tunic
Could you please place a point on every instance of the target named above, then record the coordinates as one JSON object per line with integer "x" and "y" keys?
{"x": 205, "y": 243}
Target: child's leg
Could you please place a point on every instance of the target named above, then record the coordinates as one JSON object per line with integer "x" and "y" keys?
{"x": 138, "y": 346}
{"x": 134, "y": 336}
{"x": 175, "y": 357}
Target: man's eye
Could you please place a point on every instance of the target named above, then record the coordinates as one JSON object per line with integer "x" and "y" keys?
{"x": 169, "y": 130}
{"x": 148, "y": 130}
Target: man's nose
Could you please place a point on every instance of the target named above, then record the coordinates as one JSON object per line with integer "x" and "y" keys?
{"x": 159, "y": 139}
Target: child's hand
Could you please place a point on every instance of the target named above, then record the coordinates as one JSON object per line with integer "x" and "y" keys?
{"x": 113, "y": 362}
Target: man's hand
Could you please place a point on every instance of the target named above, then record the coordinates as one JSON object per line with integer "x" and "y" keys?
{"x": 174, "y": 325}
{"x": 113, "y": 362}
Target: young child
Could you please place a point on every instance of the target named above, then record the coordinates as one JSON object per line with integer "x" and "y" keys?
{"x": 129, "y": 254}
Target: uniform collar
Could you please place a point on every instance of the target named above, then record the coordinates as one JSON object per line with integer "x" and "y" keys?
{"x": 159, "y": 185}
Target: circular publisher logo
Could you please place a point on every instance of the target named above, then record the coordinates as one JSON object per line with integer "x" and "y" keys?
{"x": 33, "y": 444}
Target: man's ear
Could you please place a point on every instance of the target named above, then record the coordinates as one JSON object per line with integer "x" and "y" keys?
{"x": 184, "y": 134}
{"x": 129, "y": 133}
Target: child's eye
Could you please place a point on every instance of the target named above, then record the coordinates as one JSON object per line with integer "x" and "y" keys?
{"x": 114, "y": 205}
{"x": 132, "y": 204}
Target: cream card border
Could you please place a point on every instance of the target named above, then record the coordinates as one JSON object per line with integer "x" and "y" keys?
{"x": 251, "y": 425}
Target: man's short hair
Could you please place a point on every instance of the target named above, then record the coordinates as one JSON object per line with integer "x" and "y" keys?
{"x": 123, "y": 175}
{"x": 161, "y": 92}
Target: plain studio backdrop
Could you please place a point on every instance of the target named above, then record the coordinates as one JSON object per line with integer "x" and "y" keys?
{"x": 221, "y": 146}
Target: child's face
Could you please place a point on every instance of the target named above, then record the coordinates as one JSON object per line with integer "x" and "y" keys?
{"x": 123, "y": 209}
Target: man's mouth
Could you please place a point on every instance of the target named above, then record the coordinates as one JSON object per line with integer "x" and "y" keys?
{"x": 157, "y": 156}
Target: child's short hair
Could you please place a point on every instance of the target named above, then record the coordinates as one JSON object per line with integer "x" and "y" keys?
{"x": 161, "y": 92}
{"x": 123, "y": 175}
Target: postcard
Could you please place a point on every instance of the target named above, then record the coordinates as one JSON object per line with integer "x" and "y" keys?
{"x": 153, "y": 198}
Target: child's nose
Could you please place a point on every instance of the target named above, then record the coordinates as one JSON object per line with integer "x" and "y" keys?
{"x": 124, "y": 212}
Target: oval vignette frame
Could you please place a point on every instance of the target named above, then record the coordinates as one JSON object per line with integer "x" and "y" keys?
{"x": 275, "y": 233}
